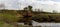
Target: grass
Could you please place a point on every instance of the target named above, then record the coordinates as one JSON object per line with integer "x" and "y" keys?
{"x": 7, "y": 17}
{"x": 2, "y": 24}
{"x": 11, "y": 17}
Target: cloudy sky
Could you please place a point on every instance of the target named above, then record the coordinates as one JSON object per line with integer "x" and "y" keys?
{"x": 46, "y": 5}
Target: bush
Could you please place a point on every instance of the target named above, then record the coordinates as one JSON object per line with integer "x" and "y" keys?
{"x": 47, "y": 18}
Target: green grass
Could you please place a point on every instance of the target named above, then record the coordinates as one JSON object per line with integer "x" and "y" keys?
{"x": 2, "y": 24}
{"x": 9, "y": 17}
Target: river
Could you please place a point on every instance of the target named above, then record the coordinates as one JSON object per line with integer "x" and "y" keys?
{"x": 34, "y": 23}
{"x": 45, "y": 24}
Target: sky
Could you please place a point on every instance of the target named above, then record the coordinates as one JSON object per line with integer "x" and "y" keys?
{"x": 46, "y": 5}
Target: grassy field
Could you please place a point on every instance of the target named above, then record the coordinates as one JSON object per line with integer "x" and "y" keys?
{"x": 9, "y": 17}
{"x": 2, "y": 24}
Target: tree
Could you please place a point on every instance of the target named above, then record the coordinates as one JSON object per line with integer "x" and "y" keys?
{"x": 30, "y": 8}
{"x": 38, "y": 10}
{"x": 25, "y": 8}
{"x": 41, "y": 10}
{"x": 54, "y": 11}
{"x": 27, "y": 15}
{"x": 2, "y": 6}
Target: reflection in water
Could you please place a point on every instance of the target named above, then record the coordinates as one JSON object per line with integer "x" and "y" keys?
{"x": 34, "y": 23}
{"x": 45, "y": 24}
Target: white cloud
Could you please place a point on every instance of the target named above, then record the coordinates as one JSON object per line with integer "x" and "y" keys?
{"x": 10, "y": 4}
{"x": 46, "y": 5}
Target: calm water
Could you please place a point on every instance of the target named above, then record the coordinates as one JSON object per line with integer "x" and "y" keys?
{"x": 46, "y": 24}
